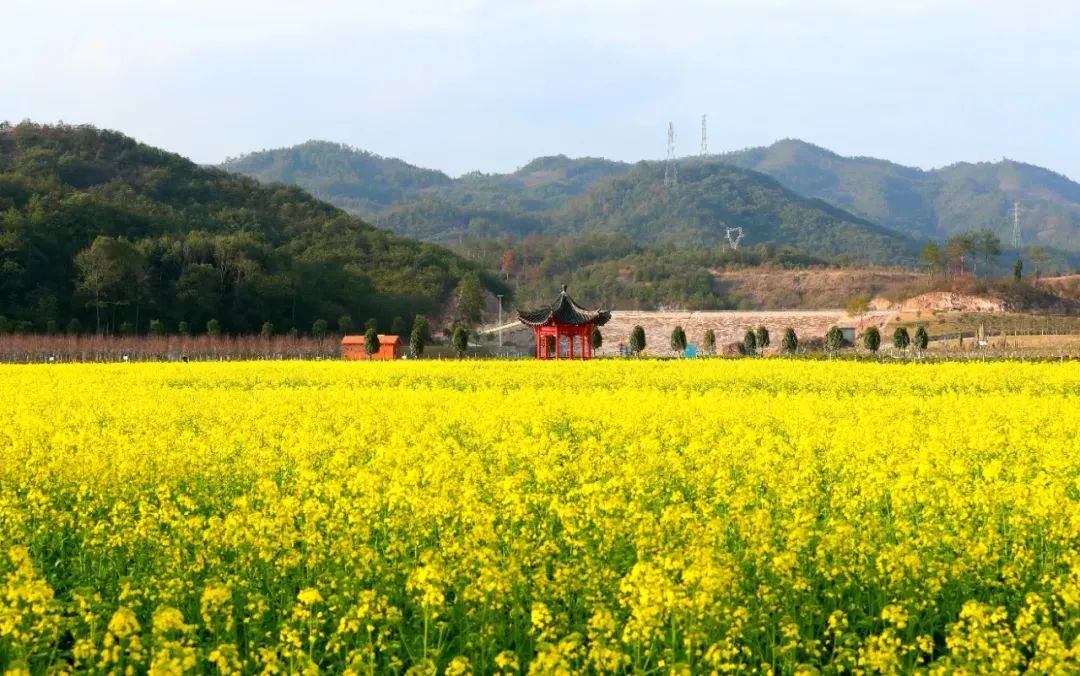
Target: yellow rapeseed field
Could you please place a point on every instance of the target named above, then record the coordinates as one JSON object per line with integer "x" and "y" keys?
{"x": 522, "y": 517}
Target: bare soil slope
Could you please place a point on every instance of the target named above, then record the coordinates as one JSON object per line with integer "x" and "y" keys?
{"x": 767, "y": 289}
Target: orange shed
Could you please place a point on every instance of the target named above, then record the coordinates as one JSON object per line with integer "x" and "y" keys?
{"x": 352, "y": 348}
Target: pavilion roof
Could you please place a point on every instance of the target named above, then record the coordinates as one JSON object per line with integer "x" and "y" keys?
{"x": 564, "y": 311}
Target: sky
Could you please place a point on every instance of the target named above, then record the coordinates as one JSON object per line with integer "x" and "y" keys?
{"x": 488, "y": 85}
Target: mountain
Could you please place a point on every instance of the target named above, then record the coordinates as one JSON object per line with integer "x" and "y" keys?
{"x": 561, "y": 195}
{"x": 96, "y": 227}
{"x": 710, "y": 198}
{"x": 929, "y": 204}
{"x": 359, "y": 182}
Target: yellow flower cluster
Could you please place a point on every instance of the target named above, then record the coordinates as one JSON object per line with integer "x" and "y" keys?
{"x": 522, "y": 517}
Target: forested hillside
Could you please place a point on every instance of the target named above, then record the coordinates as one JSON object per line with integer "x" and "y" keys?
{"x": 929, "y": 204}
{"x": 97, "y": 228}
{"x": 359, "y": 182}
{"x": 558, "y": 195}
{"x": 710, "y": 198}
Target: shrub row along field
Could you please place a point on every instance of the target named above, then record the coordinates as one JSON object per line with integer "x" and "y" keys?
{"x": 533, "y": 517}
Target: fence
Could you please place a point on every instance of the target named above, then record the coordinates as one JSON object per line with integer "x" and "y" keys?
{"x": 50, "y": 348}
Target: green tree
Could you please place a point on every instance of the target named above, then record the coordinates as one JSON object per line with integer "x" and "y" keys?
{"x": 183, "y": 328}
{"x": 371, "y": 342}
{"x": 460, "y": 341}
{"x": 762, "y": 335}
{"x": 859, "y": 305}
{"x": 597, "y": 338}
{"x": 834, "y": 339}
{"x": 126, "y": 328}
{"x": 749, "y": 342}
{"x": 901, "y": 338}
{"x": 1018, "y": 270}
{"x": 708, "y": 341}
{"x": 397, "y": 326}
{"x": 418, "y": 337}
{"x": 959, "y": 249}
{"x": 922, "y": 338}
{"x": 1041, "y": 258}
{"x": 157, "y": 327}
{"x": 420, "y": 323}
{"x": 933, "y": 257}
{"x": 872, "y": 339}
{"x": 103, "y": 269}
{"x": 790, "y": 342}
{"x": 267, "y": 330}
{"x": 319, "y": 329}
{"x": 637, "y": 340}
{"x": 470, "y": 298}
{"x": 73, "y": 328}
{"x": 345, "y": 324}
{"x": 987, "y": 245}
{"x": 678, "y": 340}
{"x": 371, "y": 323}
{"x": 213, "y": 328}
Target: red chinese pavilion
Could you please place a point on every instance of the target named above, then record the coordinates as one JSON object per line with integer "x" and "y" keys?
{"x": 563, "y": 319}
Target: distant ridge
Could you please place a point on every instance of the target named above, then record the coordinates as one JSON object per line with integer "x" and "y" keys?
{"x": 555, "y": 195}
{"x": 934, "y": 203}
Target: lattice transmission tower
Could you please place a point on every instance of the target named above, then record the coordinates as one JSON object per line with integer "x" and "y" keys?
{"x": 671, "y": 173}
{"x": 1016, "y": 241}
{"x": 704, "y": 138}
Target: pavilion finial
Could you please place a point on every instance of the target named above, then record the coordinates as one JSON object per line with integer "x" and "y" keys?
{"x": 564, "y": 288}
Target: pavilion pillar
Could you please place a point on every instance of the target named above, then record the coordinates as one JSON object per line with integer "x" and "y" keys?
{"x": 558, "y": 343}
{"x": 572, "y": 336}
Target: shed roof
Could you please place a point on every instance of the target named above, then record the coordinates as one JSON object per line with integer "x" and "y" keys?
{"x": 564, "y": 311}
{"x": 384, "y": 339}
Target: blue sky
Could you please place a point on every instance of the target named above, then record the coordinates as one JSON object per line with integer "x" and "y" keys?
{"x": 478, "y": 85}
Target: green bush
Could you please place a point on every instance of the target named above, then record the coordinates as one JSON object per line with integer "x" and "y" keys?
{"x": 678, "y": 340}
{"x": 922, "y": 338}
{"x": 708, "y": 342}
{"x": 637, "y": 340}
{"x": 901, "y": 338}
{"x": 460, "y": 341}
{"x": 872, "y": 339}
{"x": 790, "y": 342}
{"x": 749, "y": 342}
{"x": 834, "y": 339}
{"x": 762, "y": 335}
{"x": 371, "y": 342}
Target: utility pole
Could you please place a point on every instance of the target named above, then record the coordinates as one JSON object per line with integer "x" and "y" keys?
{"x": 499, "y": 296}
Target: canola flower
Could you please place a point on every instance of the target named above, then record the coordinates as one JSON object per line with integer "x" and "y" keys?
{"x": 521, "y": 517}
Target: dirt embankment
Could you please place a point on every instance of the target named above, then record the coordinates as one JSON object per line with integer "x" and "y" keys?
{"x": 1066, "y": 286}
{"x": 948, "y": 301}
{"x": 767, "y": 289}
